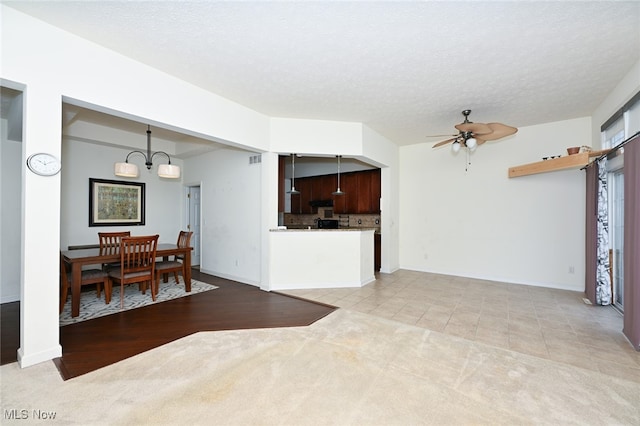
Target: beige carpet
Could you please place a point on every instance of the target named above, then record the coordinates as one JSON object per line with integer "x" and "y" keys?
{"x": 349, "y": 368}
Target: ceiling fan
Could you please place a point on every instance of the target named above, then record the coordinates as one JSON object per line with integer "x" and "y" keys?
{"x": 473, "y": 134}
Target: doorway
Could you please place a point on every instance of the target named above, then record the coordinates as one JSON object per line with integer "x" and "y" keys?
{"x": 193, "y": 221}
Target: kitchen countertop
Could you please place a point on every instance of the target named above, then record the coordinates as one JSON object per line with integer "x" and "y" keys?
{"x": 321, "y": 229}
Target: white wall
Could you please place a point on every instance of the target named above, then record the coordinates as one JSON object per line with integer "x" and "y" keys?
{"x": 231, "y": 226}
{"x": 10, "y": 216}
{"x": 479, "y": 223}
{"x": 327, "y": 166}
{"x": 81, "y": 161}
{"x": 301, "y": 259}
{"x": 315, "y": 137}
{"x": 54, "y": 65}
{"x": 625, "y": 90}
{"x": 386, "y": 155}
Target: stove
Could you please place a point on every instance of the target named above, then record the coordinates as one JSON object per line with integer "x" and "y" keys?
{"x": 328, "y": 223}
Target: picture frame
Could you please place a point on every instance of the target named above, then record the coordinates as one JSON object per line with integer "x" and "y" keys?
{"x": 116, "y": 203}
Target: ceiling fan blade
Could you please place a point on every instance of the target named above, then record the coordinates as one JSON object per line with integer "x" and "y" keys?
{"x": 475, "y": 128}
{"x": 499, "y": 130}
{"x": 444, "y": 142}
{"x": 439, "y": 136}
{"x": 480, "y": 141}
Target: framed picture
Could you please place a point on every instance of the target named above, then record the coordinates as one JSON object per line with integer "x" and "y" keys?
{"x": 115, "y": 203}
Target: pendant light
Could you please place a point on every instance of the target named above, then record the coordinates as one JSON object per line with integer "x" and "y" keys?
{"x": 126, "y": 169}
{"x": 338, "y": 191}
{"x": 293, "y": 175}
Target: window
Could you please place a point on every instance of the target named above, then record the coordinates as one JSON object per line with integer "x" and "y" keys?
{"x": 623, "y": 124}
{"x": 614, "y": 134}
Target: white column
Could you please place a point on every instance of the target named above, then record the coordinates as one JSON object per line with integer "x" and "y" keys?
{"x": 39, "y": 295}
{"x": 269, "y": 212}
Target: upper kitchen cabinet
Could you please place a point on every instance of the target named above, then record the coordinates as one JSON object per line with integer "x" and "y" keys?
{"x": 329, "y": 185}
{"x": 348, "y": 201}
{"x": 376, "y": 191}
{"x": 323, "y": 187}
{"x": 305, "y": 186}
{"x": 361, "y": 193}
{"x": 369, "y": 191}
{"x": 364, "y": 193}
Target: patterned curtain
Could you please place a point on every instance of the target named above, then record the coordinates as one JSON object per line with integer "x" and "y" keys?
{"x": 603, "y": 279}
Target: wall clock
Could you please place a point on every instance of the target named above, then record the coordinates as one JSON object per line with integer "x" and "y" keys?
{"x": 43, "y": 164}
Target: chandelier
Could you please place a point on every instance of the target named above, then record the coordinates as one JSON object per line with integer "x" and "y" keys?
{"x": 127, "y": 169}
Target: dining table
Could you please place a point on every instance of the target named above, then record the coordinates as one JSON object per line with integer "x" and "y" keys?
{"x": 94, "y": 255}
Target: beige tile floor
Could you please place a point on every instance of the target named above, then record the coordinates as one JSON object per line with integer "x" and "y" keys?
{"x": 547, "y": 323}
{"x": 355, "y": 368}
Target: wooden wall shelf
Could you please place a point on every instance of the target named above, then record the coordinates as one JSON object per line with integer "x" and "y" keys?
{"x": 555, "y": 164}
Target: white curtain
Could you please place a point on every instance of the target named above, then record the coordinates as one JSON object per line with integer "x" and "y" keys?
{"x": 603, "y": 278}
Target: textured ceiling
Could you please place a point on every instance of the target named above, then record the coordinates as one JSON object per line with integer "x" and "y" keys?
{"x": 406, "y": 69}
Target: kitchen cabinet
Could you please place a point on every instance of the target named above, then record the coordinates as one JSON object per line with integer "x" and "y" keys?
{"x": 377, "y": 252}
{"x": 347, "y": 202}
{"x": 305, "y": 186}
{"x": 295, "y": 203}
{"x": 323, "y": 186}
{"x": 361, "y": 192}
{"x": 376, "y": 191}
{"x": 300, "y": 202}
{"x": 369, "y": 191}
{"x": 364, "y": 192}
{"x": 316, "y": 188}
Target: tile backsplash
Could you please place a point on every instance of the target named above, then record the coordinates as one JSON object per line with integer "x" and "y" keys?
{"x": 346, "y": 220}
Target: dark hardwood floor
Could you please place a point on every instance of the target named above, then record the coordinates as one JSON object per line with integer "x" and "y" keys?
{"x": 93, "y": 344}
{"x": 9, "y": 332}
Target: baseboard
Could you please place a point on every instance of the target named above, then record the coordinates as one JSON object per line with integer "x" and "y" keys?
{"x": 37, "y": 358}
{"x": 231, "y": 277}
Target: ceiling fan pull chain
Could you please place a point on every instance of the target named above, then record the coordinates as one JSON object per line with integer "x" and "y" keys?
{"x": 466, "y": 166}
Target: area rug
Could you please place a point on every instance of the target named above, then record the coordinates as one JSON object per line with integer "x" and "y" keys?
{"x": 92, "y": 307}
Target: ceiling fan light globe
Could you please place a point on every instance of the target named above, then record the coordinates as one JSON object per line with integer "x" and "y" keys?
{"x": 471, "y": 143}
{"x": 455, "y": 147}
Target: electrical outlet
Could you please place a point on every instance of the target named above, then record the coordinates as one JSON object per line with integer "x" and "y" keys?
{"x": 572, "y": 270}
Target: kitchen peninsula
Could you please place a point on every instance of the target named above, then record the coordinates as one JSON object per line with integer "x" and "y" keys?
{"x": 320, "y": 258}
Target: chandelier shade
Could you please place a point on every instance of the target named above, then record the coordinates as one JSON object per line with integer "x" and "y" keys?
{"x": 169, "y": 171}
{"x": 126, "y": 170}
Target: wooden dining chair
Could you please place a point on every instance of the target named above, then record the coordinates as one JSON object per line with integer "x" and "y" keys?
{"x": 110, "y": 244}
{"x": 176, "y": 265}
{"x": 184, "y": 240}
{"x": 137, "y": 264}
{"x": 90, "y": 276}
